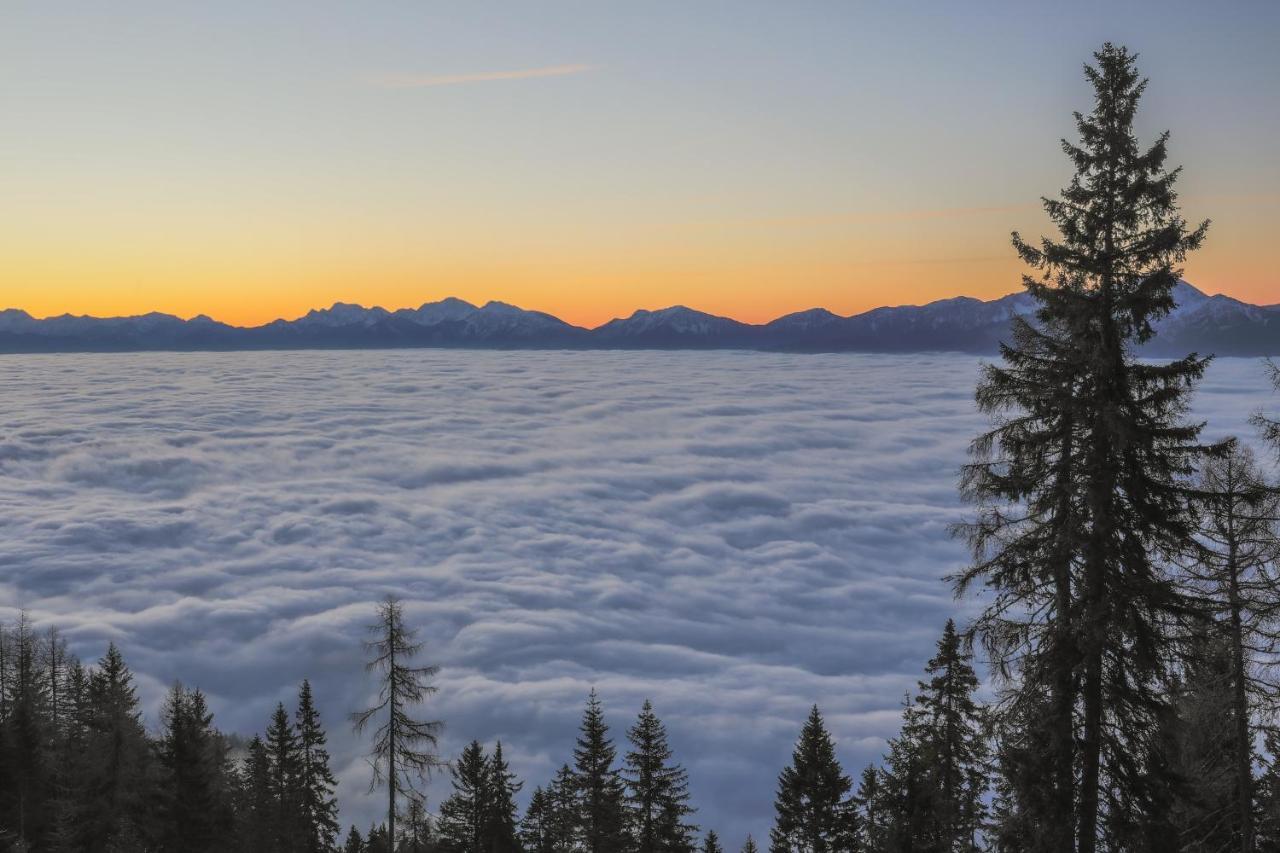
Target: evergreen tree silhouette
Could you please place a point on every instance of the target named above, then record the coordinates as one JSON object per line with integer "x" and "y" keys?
{"x": 657, "y": 789}
{"x": 812, "y": 810}
{"x": 1080, "y": 484}
{"x": 601, "y": 820}
{"x": 317, "y": 806}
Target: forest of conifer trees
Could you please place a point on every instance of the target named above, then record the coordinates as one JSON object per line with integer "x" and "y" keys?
{"x": 1131, "y": 620}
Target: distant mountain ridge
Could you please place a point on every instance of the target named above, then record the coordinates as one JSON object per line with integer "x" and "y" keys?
{"x": 1201, "y": 323}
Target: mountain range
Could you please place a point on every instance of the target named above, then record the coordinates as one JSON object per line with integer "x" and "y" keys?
{"x": 1200, "y": 323}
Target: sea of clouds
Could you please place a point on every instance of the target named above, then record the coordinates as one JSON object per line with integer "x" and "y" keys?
{"x": 735, "y": 536}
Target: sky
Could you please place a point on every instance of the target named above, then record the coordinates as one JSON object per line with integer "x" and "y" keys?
{"x": 734, "y": 536}
{"x": 250, "y": 161}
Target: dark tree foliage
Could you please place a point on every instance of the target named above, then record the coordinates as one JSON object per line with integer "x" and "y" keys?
{"x": 535, "y": 830}
{"x": 931, "y": 793}
{"x": 197, "y": 812}
{"x": 870, "y": 806}
{"x": 464, "y": 815}
{"x": 285, "y": 813}
{"x": 954, "y": 738}
{"x": 1199, "y": 744}
{"x": 501, "y": 832}
{"x": 602, "y": 818}
{"x": 1270, "y": 426}
{"x": 317, "y": 805}
{"x": 378, "y": 840}
{"x": 117, "y": 774}
{"x": 813, "y": 813}
{"x": 415, "y": 830}
{"x": 256, "y": 813}
{"x": 711, "y": 844}
{"x": 480, "y": 815}
{"x": 1081, "y": 484}
{"x": 749, "y": 846}
{"x": 105, "y": 785}
{"x": 403, "y": 746}
{"x": 1234, "y": 577}
{"x": 657, "y": 790}
{"x": 550, "y": 821}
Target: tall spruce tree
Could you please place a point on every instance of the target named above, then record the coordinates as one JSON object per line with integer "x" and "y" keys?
{"x": 354, "y": 842}
{"x": 119, "y": 771}
{"x": 812, "y": 811}
{"x": 255, "y": 812}
{"x": 657, "y": 789}
{"x": 403, "y": 746}
{"x": 196, "y": 812}
{"x": 602, "y": 819}
{"x": 283, "y": 773}
{"x": 26, "y": 738}
{"x": 869, "y": 802}
{"x": 317, "y": 805}
{"x": 749, "y": 846}
{"x": 1081, "y": 482}
{"x": 953, "y": 735}
{"x": 908, "y": 802}
{"x": 562, "y": 811}
{"x": 502, "y": 835}
{"x": 711, "y": 844}
{"x": 463, "y": 820}
{"x": 535, "y": 830}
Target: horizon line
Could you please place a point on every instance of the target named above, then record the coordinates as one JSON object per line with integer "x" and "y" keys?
{"x": 340, "y": 302}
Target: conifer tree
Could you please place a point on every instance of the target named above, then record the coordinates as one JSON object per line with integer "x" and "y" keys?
{"x": 415, "y": 835}
{"x": 284, "y": 769}
{"x": 26, "y": 738}
{"x": 550, "y": 821}
{"x": 1236, "y": 581}
{"x": 1267, "y": 788}
{"x": 812, "y": 810}
{"x": 464, "y": 815}
{"x": 711, "y": 844}
{"x": 378, "y": 840}
{"x": 869, "y": 804}
{"x": 317, "y": 806}
{"x": 354, "y": 842}
{"x": 535, "y": 830}
{"x": 255, "y": 812}
{"x": 1081, "y": 481}
{"x": 501, "y": 835}
{"x": 749, "y": 846}
{"x": 657, "y": 789}
{"x": 600, "y": 792}
{"x": 70, "y": 757}
{"x": 908, "y": 800}
{"x": 196, "y": 814}
{"x": 562, "y": 811}
{"x": 403, "y": 746}
{"x": 118, "y": 772}
{"x": 1198, "y": 744}
{"x": 953, "y": 735}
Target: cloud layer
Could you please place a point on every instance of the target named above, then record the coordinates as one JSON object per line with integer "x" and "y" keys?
{"x": 733, "y": 535}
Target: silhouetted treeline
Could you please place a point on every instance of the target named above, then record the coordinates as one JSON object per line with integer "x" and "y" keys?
{"x": 79, "y": 772}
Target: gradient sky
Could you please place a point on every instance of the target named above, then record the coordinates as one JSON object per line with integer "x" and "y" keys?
{"x": 588, "y": 159}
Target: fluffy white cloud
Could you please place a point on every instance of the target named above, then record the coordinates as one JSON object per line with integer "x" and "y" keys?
{"x": 734, "y": 535}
